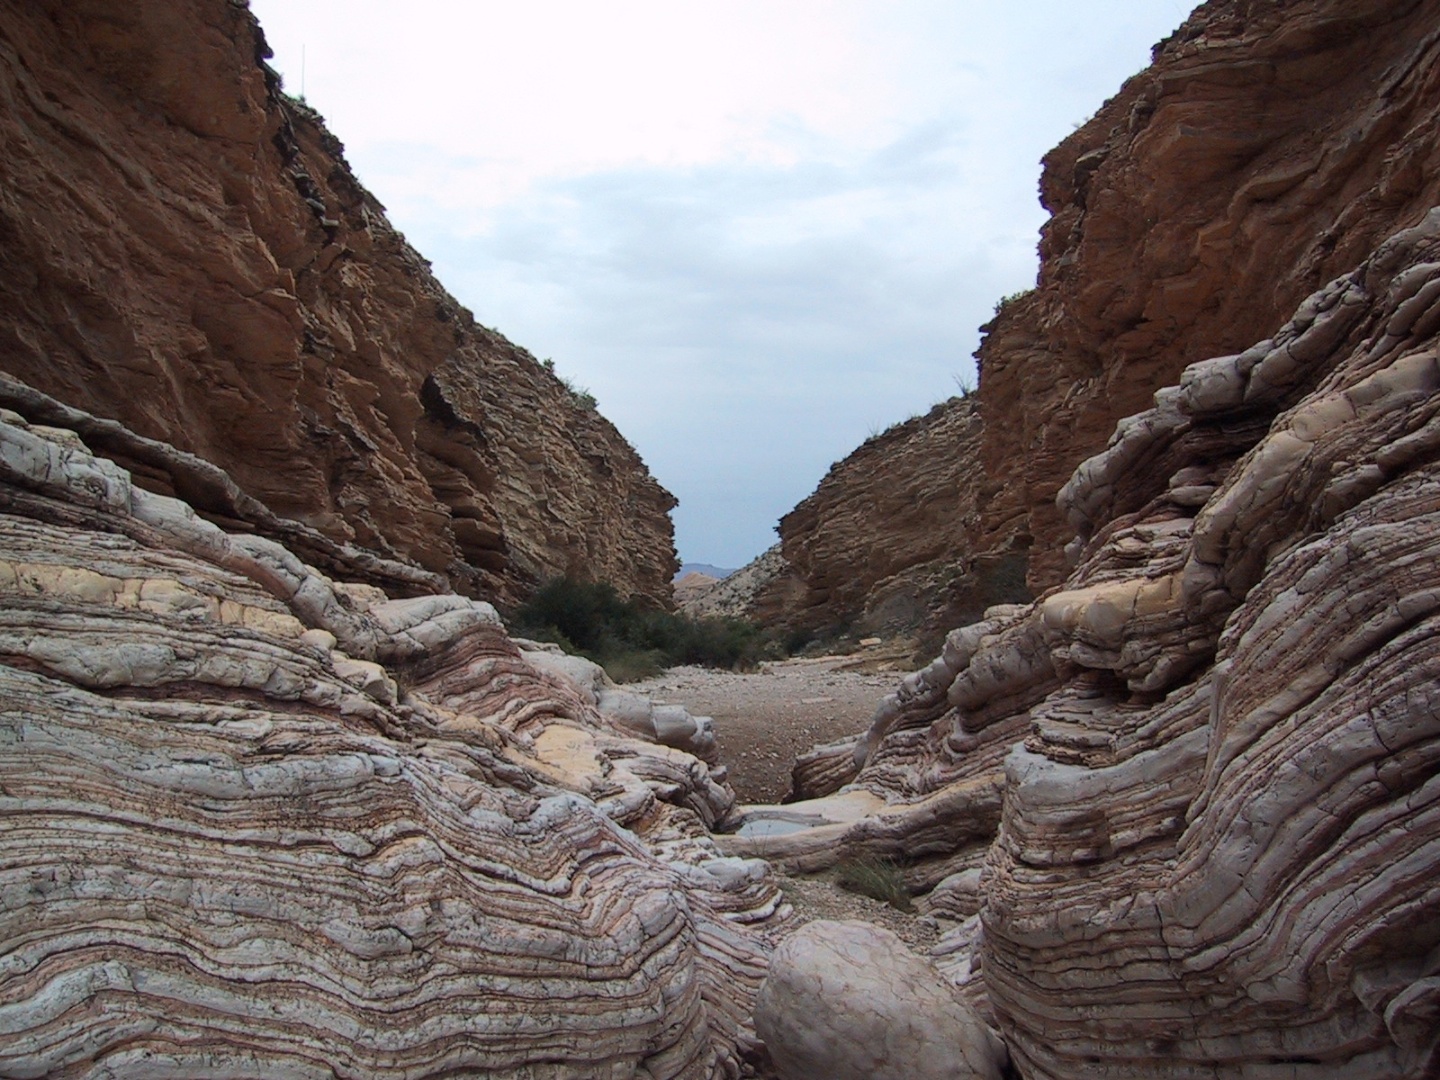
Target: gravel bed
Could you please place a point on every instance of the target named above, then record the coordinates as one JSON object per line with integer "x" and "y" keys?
{"x": 764, "y": 720}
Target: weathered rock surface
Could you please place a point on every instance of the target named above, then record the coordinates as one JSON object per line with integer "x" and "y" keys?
{"x": 749, "y": 591}
{"x": 668, "y": 725}
{"x": 882, "y": 546}
{"x": 1268, "y": 148}
{"x": 849, "y": 1001}
{"x": 261, "y": 822}
{"x": 1246, "y": 812}
{"x": 691, "y": 586}
{"x": 1192, "y": 792}
{"x": 187, "y": 252}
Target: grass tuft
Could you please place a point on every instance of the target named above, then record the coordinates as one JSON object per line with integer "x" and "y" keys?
{"x": 876, "y": 877}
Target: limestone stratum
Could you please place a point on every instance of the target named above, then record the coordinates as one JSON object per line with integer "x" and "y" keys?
{"x": 1269, "y": 148}
{"x": 281, "y": 797}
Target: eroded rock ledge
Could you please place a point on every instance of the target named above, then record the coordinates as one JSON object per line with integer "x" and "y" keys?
{"x": 1188, "y": 800}
{"x": 260, "y": 822}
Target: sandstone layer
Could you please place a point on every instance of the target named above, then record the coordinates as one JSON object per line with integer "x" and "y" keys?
{"x": 884, "y": 544}
{"x": 262, "y": 822}
{"x": 1269, "y": 147}
{"x": 1187, "y": 802}
{"x": 183, "y": 249}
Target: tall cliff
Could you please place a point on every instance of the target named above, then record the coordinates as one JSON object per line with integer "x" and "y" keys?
{"x": 1188, "y": 803}
{"x": 886, "y": 543}
{"x": 1268, "y": 147}
{"x": 183, "y": 249}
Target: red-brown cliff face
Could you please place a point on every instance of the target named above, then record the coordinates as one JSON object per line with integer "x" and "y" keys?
{"x": 184, "y": 249}
{"x": 1269, "y": 147}
{"x": 913, "y": 491}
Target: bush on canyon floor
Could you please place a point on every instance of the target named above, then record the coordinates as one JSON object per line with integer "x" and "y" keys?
{"x": 876, "y": 877}
{"x": 631, "y": 641}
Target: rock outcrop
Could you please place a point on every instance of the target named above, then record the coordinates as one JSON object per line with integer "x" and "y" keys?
{"x": 690, "y": 587}
{"x": 751, "y": 590}
{"x": 884, "y": 544}
{"x": 185, "y": 251}
{"x": 1269, "y": 147}
{"x": 1192, "y": 792}
{"x": 259, "y": 821}
{"x": 668, "y": 725}
{"x": 1243, "y": 809}
{"x": 849, "y": 1001}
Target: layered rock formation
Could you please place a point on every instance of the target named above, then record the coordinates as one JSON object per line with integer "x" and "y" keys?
{"x": 1268, "y": 148}
{"x": 276, "y": 803}
{"x": 262, "y": 822}
{"x": 884, "y": 545}
{"x": 1243, "y": 810}
{"x": 1192, "y": 794}
{"x": 185, "y": 250}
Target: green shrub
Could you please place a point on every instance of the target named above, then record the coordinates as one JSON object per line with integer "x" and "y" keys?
{"x": 631, "y": 641}
{"x": 1010, "y": 298}
{"x": 876, "y": 877}
{"x": 632, "y": 666}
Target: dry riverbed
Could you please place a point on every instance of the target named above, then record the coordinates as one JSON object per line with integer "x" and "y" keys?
{"x": 765, "y": 719}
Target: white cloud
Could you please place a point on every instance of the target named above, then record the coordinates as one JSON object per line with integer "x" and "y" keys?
{"x": 758, "y": 230}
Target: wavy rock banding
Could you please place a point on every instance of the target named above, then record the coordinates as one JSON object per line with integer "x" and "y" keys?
{"x": 276, "y": 802}
{"x": 1188, "y": 801}
{"x": 1260, "y": 828}
{"x": 262, "y": 823}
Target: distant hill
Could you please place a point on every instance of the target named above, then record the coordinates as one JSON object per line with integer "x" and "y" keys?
{"x": 736, "y": 596}
{"x": 717, "y": 572}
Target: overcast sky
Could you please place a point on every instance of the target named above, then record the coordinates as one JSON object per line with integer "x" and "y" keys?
{"x": 758, "y": 232}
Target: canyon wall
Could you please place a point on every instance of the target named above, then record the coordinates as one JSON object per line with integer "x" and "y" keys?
{"x": 263, "y": 822}
{"x": 1188, "y": 803}
{"x": 1185, "y": 803}
{"x": 184, "y": 249}
{"x": 1269, "y": 147}
{"x": 885, "y": 543}
{"x": 263, "y": 818}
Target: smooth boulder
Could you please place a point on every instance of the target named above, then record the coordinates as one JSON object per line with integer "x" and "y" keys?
{"x": 849, "y": 1001}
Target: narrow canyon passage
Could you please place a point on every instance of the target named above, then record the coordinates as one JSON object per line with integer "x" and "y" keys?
{"x": 765, "y": 719}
